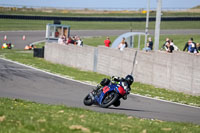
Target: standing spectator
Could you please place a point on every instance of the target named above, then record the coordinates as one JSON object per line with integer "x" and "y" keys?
{"x": 61, "y": 40}
{"x": 122, "y": 45}
{"x": 149, "y": 45}
{"x": 107, "y": 42}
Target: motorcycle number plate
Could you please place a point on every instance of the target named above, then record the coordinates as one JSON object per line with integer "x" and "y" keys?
{"x": 106, "y": 89}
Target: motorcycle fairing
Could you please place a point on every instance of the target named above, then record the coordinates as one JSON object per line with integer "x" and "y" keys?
{"x": 109, "y": 88}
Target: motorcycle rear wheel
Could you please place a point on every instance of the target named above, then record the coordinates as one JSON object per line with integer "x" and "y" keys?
{"x": 88, "y": 100}
{"x": 109, "y": 99}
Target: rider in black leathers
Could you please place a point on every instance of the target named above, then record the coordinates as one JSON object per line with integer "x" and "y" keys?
{"x": 124, "y": 82}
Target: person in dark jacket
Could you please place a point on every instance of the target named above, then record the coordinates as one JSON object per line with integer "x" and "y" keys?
{"x": 187, "y": 45}
{"x": 124, "y": 82}
{"x": 169, "y": 48}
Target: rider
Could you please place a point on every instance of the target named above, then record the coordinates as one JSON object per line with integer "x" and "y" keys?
{"x": 124, "y": 82}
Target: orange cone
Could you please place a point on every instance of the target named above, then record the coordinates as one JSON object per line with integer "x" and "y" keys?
{"x": 23, "y": 37}
{"x": 5, "y": 38}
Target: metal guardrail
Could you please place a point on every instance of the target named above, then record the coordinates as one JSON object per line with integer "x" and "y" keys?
{"x": 98, "y": 18}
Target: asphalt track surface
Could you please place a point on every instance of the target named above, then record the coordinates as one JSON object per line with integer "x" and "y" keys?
{"x": 15, "y": 37}
{"x": 19, "y": 81}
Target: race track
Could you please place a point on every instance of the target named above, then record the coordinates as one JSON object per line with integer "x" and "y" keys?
{"x": 19, "y": 81}
{"x": 15, "y": 37}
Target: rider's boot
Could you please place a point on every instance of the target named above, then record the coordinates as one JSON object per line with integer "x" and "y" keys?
{"x": 125, "y": 97}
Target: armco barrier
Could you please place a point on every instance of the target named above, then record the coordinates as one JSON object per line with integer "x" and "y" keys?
{"x": 179, "y": 71}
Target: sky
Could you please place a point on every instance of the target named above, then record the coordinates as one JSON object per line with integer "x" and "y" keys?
{"x": 102, "y": 4}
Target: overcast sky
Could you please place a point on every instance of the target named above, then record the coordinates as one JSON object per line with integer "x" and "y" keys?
{"x": 102, "y": 4}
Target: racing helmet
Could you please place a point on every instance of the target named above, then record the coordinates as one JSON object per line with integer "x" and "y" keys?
{"x": 129, "y": 79}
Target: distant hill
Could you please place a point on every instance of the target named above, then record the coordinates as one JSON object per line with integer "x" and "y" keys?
{"x": 196, "y": 7}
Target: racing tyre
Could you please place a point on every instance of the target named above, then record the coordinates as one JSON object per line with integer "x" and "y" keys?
{"x": 117, "y": 103}
{"x": 88, "y": 100}
{"x": 109, "y": 99}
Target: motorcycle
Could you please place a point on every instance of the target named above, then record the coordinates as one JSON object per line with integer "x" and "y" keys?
{"x": 7, "y": 45}
{"x": 106, "y": 96}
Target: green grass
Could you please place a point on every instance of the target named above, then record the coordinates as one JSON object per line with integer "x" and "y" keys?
{"x": 18, "y": 116}
{"x": 94, "y": 78}
{"x": 17, "y": 24}
{"x": 179, "y": 40}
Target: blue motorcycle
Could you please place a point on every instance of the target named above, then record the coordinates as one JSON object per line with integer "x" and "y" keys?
{"x": 106, "y": 96}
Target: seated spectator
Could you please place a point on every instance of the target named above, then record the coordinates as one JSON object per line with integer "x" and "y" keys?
{"x": 172, "y": 43}
{"x": 107, "y": 42}
{"x": 164, "y": 45}
{"x": 191, "y": 47}
{"x": 79, "y": 42}
{"x": 70, "y": 40}
{"x": 187, "y": 45}
{"x": 61, "y": 40}
{"x": 198, "y": 47}
{"x": 74, "y": 38}
{"x": 149, "y": 45}
{"x": 169, "y": 48}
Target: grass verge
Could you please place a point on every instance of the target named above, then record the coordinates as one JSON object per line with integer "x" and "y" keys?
{"x": 17, "y": 24}
{"x": 88, "y": 76}
{"x": 18, "y": 116}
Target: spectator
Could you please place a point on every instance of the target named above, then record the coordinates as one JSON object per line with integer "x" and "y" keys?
{"x": 79, "y": 42}
{"x": 164, "y": 45}
{"x": 61, "y": 40}
{"x": 126, "y": 44}
{"x": 107, "y": 42}
{"x": 70, "y": 40}
{"x": 198, "y": 47}
{"x": 74, "y": 38}
{"x": 149, "y": 45}
{"x": 191, "y": 47}
{"x": 122, "y": 45}
{"x": 172, "y": 43}
{"x": 187, "y": 45}
{"x": 169, "y": 48}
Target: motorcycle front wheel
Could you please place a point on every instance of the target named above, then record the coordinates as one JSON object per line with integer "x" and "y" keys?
{"x": 88, "y": 100}
{"x": 109, "y": 99}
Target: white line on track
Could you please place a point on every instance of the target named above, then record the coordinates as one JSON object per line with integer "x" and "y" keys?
{"x": 94, "y": 85}
{"x": 15, "y": 69}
